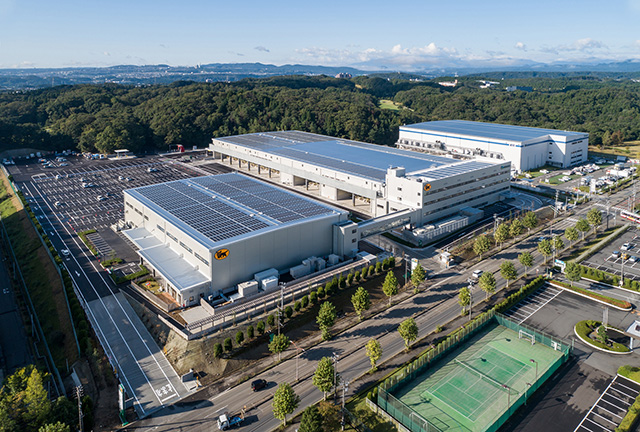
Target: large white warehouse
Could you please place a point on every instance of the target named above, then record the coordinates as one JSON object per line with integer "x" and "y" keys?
{"x": 525, "y": 147}
{"x": 208, "y": 234}
{"x": 390, "y": 179}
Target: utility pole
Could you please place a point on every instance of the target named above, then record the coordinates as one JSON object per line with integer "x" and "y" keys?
{"x": 281, "y": 306}
{"x": 345, "y": 387}
{"x": 79, "y": 393}
{"x": 335, "y": 358}
{"x": 405, "y": 268}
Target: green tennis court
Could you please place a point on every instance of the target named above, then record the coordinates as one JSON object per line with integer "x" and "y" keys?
{"x": 474, "y": 386}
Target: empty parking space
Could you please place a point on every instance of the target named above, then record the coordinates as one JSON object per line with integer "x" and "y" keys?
{"x": 622, "y": 256}
{"x": 611, "y": 407}
{"x": 529, "y": 306}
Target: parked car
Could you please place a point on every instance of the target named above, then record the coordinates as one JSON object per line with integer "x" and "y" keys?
{"x": 626, "y": 247}
{"x": 633, "y": 259}
{"x": 615, "y": 254}
{"x": 258, "y": 384}
{"x": 477, "y": 273}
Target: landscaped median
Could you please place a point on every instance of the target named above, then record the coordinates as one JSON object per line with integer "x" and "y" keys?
{"x": 609, "y": 301}
{"x": 584, "y": 330}
{"x": 631, "y": 419}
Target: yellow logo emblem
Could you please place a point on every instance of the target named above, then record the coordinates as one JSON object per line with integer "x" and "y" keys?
{"x": 222, "y": 254}
{"x": 427, "y": 187}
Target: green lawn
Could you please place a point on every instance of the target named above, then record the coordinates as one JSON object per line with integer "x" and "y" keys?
{"x": 390, "y": 105}
{"x": 556, "y": 179}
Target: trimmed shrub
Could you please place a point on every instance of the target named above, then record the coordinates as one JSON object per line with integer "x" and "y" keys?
{"x": 321, "y": 292}
{"x": 313, "y": 297}
{"x": 297, "y": 306}
{"x": 239, "y": 337}
{"x": 288, "y": 311}
{"x": 271, "y": 321}
{"x": 342, "y": 282}
{"x": 250, "y": 332}
{"x": 227, "y": 344}
{"x": 260, "y": 327}
{"x": 378, "y": 267}
{"x": 217, "y": 350}
{"x": 356, "y": 276}
{"x": 304, "y": 302}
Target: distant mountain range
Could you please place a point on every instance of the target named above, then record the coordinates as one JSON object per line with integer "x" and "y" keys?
{"x": 22, "y": 79}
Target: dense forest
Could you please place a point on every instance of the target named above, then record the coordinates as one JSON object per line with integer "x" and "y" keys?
{"x": 106, "y": 117}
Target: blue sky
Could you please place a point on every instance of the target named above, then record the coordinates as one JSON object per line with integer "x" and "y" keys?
{"x": 409, "y": 35}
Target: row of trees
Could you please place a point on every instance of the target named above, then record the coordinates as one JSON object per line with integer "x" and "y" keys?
{"x": 105, "y": 117}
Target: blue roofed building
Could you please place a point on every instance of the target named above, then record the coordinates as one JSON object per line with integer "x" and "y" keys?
{"x": 525, "y": 147}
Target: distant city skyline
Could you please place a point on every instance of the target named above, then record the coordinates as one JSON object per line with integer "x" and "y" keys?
{"x": 372, "y": 35}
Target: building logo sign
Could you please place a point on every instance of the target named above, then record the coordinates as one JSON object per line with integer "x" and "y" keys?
{"x": 427, "y": 187}
{"x": 221, "y": 254}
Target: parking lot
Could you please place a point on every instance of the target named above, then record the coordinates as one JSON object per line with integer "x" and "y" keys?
{"x": 616, "y": 260}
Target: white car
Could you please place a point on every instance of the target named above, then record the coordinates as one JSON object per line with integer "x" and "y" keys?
{"x": 477, "y": 273}
{"x": 65, "y": 252}
{"x": 626, "y": 247}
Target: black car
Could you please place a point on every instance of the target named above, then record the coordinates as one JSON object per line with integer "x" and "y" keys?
{"x": 258, "y": 385}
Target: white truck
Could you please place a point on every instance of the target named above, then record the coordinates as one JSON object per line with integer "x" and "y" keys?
{"x": 225, "y": 421}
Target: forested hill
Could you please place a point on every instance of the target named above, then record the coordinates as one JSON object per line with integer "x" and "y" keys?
{"x": 105, "y": 117}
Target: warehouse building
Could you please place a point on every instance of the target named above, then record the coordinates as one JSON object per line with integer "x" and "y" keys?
{"x": 389, "y": 179}
{"x": 204, "y": 236}
{"x": 525, "y": 147}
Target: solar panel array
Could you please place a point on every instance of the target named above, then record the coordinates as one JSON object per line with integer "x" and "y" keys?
{"x": 457, "y": 169}
{"x": 351, "y": 157}
{"x": 228, "y": 205}
{"x": 488, "y": 130}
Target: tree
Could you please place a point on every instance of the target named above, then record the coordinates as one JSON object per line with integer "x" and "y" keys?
{"x": 530, "y": 221}
{"x": 464, "y": 299}
{"x": 602, "y": 334}
{"x": 373, "y": 350}
{"x": 517, "y": 227}
{"x": 239, "y": 337}
{"x": 304, "y": 302}
{"x": 313, "y": 297}
{"x": 571, "y": 234}
{"x": 217, "y": 350}
{"x": 288, "y": 312}
{"x": 390, "y": 285}
{"x": 508, "y": 271}
{"x": 418, "y": 275}
{"x": 250, "y": 332}
{"x": 361, "y": 302}
{"x": 408, "y": 330}
{"x": 526, "y": 259}
{"x": 279, "y": 344}
{"x": 378, "y": 267}
{"x": 36, "y": 400}
{"x": 330, "y": 416}
{"x": 583, "y": 226}
{"x": 558, "y": 244}
{"x": 325, "y": 319}
{"x": 502, "y": 233}
{"x": 271, "y": 321}
{"x": 311, "y": 420}
{"x": 228, "y": 345}
{"x": 325, "y": 377}
{"x": 54, "y": 427}
{"x": 487, "y": 283}
{"x": 573, "y": 272}
{"x": 285, "y": 401}
{"x": 594, "y": 217}
{"x": 481, "y": 245}
{"x": 544, "y": 247}
{"x": 260, "y": 327}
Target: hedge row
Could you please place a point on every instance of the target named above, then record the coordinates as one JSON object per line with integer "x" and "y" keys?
{"x": 83, "y": 236}
{"x": 608, "y": 278}
{"x": 620, "y": 303}
{"x": 523, "y": 292}
{"x": 585, "y": 328}
{"x": 121, "y": 279}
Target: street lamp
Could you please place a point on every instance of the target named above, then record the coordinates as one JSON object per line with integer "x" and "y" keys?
{"x": 335, "y": 358}
{"x": 533, "y": 361}
{"x": 527, "y": 385}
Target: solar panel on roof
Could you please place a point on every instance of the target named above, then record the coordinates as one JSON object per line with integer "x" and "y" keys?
{"x": 227, "y": 205}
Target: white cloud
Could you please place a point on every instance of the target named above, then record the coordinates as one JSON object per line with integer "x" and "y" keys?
{"x": 585, "y": 45}
{"x": 521, "y": 46}
{"x": 261, "y": 48}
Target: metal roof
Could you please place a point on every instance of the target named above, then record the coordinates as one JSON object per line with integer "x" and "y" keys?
{"x": 489, "y": 130}
{"x": 347, "y": 156}
{"x": 452, "y": 170}
{"x": 221, "y": 207}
